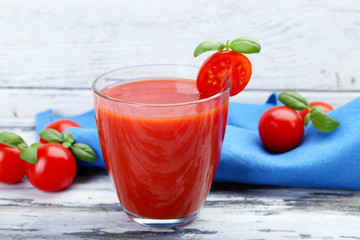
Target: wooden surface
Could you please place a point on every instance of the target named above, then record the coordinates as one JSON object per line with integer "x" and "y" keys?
{"x": 89, "y": 209}
{"x": 51, "y": 51}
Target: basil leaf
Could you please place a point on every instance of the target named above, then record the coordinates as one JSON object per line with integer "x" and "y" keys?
{"x": 36, "y": 144}
{"x": 323, "y": 122}
{"x": 318, "y": 108}
{"x": 247, "y": 38}
{"x": 22, "y": 146}
{"x": 11, "y": 139}
{"x": 29, "y": 154}
{"x": 68, "y": 137}
{"x": 307, "y": 119}
{"x": 208, "y": 45}
{"x": 66, "y": 144}
{"x": 245, "y": 45}
{"x": 293, "y": 100}
{"x": 83, "y": 152}
{"x": 51, "y": 135}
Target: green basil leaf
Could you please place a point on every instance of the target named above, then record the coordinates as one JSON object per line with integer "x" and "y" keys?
{"x": 68, "y": 137}
{"x": 209, "y": 45}
{"x": 36, "y": 144}
{"x": 83, "y": 152}
{"x": 245, "y": 45}
{"x": 307, "y": 119}
{"x": 22, "y": 146}
{"x": 51, "y": 135}
{"x": 318, "y": 108}
{"x": 66, "y": 144}
{"x": 323, "y": 122}
{"x": 29, "y": 154}
{"x": 11, "y": 139}
{"x": 247, "y": 38}
{"x": 293, "y": 100}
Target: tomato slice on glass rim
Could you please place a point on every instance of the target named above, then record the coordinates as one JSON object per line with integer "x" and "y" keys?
{"x": 234, "y": 66}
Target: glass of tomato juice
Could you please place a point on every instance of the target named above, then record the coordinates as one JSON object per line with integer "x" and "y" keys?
{"x": 161, "y": 140}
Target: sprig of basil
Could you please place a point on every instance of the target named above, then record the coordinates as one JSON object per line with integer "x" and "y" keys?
{"x": 243, "y": 44}
{"x": 51, "y": 135}
{"x": 81, "y": 151}
{"x": 320, "y": 120}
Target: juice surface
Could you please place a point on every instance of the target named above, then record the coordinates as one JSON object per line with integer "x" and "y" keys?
{"x": 155, "y": 91}
{"x": 162, "y": 166}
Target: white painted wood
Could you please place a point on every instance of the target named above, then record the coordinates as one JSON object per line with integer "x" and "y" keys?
{"x": 305, "y": 44}
{"x": 90, "y": 209}
{"x": 25, "y": 103}
{"x": 52, "y": 51}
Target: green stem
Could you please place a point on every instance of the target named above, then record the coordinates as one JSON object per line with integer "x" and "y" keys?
{"x": 227, "y": 47}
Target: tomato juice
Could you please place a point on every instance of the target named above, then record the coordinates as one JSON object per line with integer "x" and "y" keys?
{"x": 161, "y": 143}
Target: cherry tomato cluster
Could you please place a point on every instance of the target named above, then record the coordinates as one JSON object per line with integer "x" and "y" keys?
{"x": 281, "y": 128}
{"x": 50, "y": 165}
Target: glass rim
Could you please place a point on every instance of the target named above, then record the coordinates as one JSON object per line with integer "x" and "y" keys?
{"x": 99, "y": 93}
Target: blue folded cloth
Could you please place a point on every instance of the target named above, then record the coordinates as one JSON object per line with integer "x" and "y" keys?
{"x": 322, "y": 160}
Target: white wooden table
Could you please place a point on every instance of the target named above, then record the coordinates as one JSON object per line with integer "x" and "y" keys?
{"x": 50, "y": 52}
{"x": 89, "y": 209}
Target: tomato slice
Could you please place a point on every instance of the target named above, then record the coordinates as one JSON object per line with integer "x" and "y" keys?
{"x": 234, "y": 66}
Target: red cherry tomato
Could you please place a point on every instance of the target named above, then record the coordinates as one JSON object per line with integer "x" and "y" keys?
{"x": 60, "y": 126}
{"x": 326, "y": 107}
{"x": 55, "y": 169}
{"x": 234, "y": 66}
{"x": 12, "y": 167}
{"x": 281, "y": 129}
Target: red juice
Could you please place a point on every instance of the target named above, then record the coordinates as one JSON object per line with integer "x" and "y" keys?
{"x": 161, "y": 144}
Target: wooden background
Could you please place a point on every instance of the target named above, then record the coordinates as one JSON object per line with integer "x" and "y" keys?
{"x": 51, "y": 51}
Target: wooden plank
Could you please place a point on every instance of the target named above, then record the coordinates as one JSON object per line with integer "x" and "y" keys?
{"x": 23, "y": 127}
{"x": 90, "y": 209}
{"x": 305, "y": 44}
{"x": 25, "y": 103}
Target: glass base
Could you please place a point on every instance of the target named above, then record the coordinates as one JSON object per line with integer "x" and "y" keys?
{"x": 162, "y": 223}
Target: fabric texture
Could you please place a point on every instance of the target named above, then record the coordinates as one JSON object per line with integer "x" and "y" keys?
{"x": 322, "y": 160}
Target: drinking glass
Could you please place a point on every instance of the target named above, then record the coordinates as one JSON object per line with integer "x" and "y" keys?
{"x": 161, "y": 157}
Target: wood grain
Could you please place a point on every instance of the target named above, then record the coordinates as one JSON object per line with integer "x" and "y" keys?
{"x": 51, "y": 52}
{"x": 24, "y": 103}
{"x": 305, "y": 44}
{"x": 89, "y": 209}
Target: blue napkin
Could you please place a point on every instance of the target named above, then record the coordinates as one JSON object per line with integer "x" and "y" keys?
{"x": 322, "y": 160}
